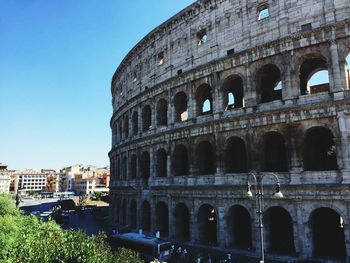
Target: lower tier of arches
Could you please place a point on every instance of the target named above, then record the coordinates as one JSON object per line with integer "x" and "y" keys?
{"x": 310, "y": 229}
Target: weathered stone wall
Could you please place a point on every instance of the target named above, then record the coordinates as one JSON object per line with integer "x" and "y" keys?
{"x": 280, "y": 43}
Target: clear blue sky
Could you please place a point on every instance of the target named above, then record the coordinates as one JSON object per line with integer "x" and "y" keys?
{"x": 57, "y": 59}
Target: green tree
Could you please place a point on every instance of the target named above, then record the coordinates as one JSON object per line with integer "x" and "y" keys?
{"x": 28, "y": 239}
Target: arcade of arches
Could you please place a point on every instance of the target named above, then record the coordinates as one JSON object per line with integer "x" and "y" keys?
{"x": 235, "y": 228}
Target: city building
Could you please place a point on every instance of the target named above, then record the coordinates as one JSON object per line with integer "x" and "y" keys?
{"x": 30, "y": 181}
{"x": 83, "y": 185}
{"x": 52, "y": 180}
{"x": 5, "y": 179}
{"x": 224, "y": 88}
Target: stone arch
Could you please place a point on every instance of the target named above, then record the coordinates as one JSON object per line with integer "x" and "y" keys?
{"x": 135, "y": 123}
{"x": 180, "y": 160}
{"x": 205, "y": 158}
{"x": 133, "y": 166}
{"x": 207, "y": 225}
{"x": 239, "y": 226}
{"x": 162, "y": 160}
{"x": 133, "y": 214}
{"x": 162, "y": 219}
{"x": 182, "y": 222}
{"x": 274, "y": 155}
{"x": 310, "y": 65}
{"x": 269, "y": 83}
{"x": 204, "y": 100}
{"x": 235, "y": 155}
{"x": 180, "y": 107}
{"x": 146, "y": 118}
{"x": 319, "y": 150}
{"x": 233, "y": 92}
{"x": 145, "y": 165}
{"x": 146, "y": 216}
{"x": 328, "y": 237}
{"x": 162, "y": 112}
{"x": 279, "y": 231}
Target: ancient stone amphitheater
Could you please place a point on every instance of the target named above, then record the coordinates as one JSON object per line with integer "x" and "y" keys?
{"x": 224, "y": 88}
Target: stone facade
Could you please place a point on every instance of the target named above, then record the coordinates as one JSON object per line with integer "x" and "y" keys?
{"x": 182, "y": 148}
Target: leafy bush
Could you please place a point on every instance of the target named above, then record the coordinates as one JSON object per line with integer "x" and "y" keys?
{"x": 28, "y": 239}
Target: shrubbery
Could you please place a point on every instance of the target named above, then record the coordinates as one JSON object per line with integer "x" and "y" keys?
{"x": 28, "y": 239}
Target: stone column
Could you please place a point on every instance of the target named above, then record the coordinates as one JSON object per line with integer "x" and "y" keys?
{"x": 153, "y": 216}
{"x": 221, "y": 233}
{"x": 168, "y": 163}
{"x": 193, "y": 225}
{"x": 289, "y": 88}
{"x": 304, "y": 239}
{"x": 338, "y": 83}
{"x": 128, "y": 170}
{"x": 171, "y": 221}
{"x": 219, "y": 157}
{"x": 170, "y": 109}
{"x": 153, "y": 114}
{"x": 250, "y": 94}
{"x": 216, "y": 95}
{"x": 152, "y": 163}
{"x": 344, "y": 128}
{"x": 191, "y": 105}
{"x": 139, "y": 119}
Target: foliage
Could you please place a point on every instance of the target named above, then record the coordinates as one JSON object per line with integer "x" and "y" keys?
{"x": 82, "y": 200}
{"x": 97, "y": 195}
{"x": 28, "y": 239}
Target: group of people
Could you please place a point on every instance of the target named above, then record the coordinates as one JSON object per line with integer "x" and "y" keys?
{"x": 183, "y": 255}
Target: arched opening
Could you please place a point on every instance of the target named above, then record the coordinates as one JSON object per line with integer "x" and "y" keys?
{"x": 133, "y": 166}
{"x": 161, "y": 163}
{"x": 162, "y": 219}
{"x": 328, "y": 234}
{"x": 269, "y": 83}
{"x": 205, "y": 158}
{"x": 235, "y": 156}
{"x": 204, "y": 100}
{"x": 314, "y": 75}
{"x": 182, "y": 222}
{"x": 124, "y": 165}
{"x": 145, "y": 167}
{"x": 207, "y": 225}
{"x": 146, "y": 118}
{"x": 180, "y": 161}
{"x": 233, "y": 92}
{"x": 135, "y": 123}
{"x": 162, "y": 112}
{"x": 274, "y": 153}
{"x": 133, "y": 214}
{"x": 115, "y": 133}
{"x": 126, "y": 126}
{"x": 319, "y": 150}
{"x": 124, "y": 212}
{"x": 146, "y": 217}
{"x": 239, "y": 228}
{"x": 180, "y": 105}
{"x": 279, "y": 231}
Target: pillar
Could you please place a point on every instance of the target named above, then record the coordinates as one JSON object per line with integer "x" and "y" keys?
{"x": 344, "y": 127}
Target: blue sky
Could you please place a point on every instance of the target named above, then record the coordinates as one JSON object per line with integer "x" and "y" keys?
{"x": 57, "y": 59}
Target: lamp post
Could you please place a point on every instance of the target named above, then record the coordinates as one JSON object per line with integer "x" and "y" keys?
{"x": 259, "y": 201}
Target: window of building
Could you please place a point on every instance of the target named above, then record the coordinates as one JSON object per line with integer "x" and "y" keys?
{"x": 161, "y": 58}
{"x": 263, "y": 12}
{"x": 134, "y": 78}
{"x": 202, "y": 37}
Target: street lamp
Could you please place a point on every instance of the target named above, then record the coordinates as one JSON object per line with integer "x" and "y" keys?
{"x": 259, "y": 200}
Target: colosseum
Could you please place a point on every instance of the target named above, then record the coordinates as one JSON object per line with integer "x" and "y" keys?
{"x": 223, "y": 90}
